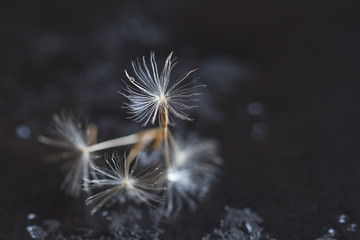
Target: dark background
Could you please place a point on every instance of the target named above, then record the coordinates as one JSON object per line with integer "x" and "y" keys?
{"x": 296, "y": 163}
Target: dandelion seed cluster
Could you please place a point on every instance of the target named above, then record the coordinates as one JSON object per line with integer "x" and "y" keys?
{"x": 160, "y": 169}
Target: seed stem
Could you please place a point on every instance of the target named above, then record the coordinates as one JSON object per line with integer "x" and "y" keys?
{"x": 145, "y": 137}
{"x": 173, "y": 142}
{"x": 166, "y": 139}
{"x": 117, "y": 142}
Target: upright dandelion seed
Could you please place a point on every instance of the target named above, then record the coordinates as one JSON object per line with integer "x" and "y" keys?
{"x": 152, "y": 96}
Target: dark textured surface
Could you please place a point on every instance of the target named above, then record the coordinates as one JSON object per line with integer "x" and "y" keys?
{"x": 298, "y": 169}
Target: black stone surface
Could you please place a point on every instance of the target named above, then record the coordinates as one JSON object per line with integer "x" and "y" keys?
{"x": 295, "y": 164}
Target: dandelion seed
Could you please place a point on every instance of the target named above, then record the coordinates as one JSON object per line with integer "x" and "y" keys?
{"x": 142, "y": 184}
{"x": 193, "y": 170}
{"x": 152, "y": 96}
{"x": 72, "y": 140}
